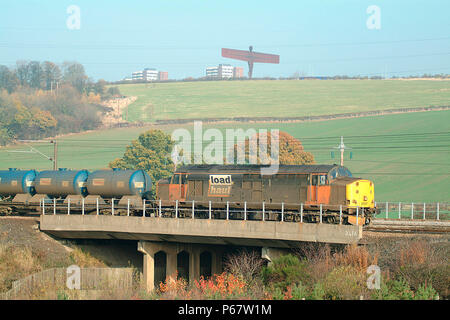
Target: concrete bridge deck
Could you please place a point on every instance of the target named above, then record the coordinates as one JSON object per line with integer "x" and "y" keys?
{"x": 203, "y": 231}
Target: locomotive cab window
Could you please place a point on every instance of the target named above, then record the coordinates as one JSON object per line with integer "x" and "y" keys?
{"x": 322, "y": 180}
{"x": 176, "y": 179}
{"x": 319, "y": 180}
{"x": 344, "y": 172}
{"x": 333, "y": 174}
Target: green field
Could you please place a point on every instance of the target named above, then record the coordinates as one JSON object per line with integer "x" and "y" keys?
{"x": 278, "y": 98}
{"x": 390, "y": 150}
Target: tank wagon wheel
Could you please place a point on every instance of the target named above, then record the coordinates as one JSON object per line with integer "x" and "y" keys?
{"x": 6, "y": 211}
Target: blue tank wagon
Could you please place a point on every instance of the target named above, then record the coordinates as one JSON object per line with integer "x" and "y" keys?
{"x": 62, "y": 183}
{"x": 18, "y": 183}
{"x": 120, "y": 184}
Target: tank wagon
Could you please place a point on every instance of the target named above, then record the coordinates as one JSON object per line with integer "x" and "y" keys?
{"x": 295, "y": 189}
{"x": 61, "y": 183}
{"x": 127, "y": 185}
{"x": 17, "y": 183}
{"x": 21, "y": 188}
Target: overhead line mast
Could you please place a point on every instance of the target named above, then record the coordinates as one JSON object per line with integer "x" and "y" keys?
{"x": 342, "y": 148}
{"x": 54, "y": 160}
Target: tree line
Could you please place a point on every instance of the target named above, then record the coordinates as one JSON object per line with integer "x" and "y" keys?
{"x": 42, "y": 99}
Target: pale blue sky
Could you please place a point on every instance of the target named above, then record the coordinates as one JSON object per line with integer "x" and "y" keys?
{"x": 183, "y": 37}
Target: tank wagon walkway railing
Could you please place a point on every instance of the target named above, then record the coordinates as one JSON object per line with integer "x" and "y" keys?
{"x": 413, "y": 210}
{"x": 202, "y": 210}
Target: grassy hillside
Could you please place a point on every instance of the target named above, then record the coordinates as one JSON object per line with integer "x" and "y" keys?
{"x": 404, "y": 165}
{"x": 283, "y": 98}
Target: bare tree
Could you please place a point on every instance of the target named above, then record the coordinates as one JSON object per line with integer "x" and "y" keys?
{"x": 245, "y": 263}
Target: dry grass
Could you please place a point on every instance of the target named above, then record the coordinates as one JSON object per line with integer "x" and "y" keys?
{"x": 358, "y": 257}
{"x": 85, "y": 259}
{"x": 17, "y": 262}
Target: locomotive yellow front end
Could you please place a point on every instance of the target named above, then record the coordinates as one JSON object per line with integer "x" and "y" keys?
{"x": 361, "y": 193}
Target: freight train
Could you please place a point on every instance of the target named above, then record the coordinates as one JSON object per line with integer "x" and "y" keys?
{"x": 310, "y": 193}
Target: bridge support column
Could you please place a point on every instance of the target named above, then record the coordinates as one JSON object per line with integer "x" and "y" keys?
{"x": 270, "y": 254}
{"x": 172, "y": 249}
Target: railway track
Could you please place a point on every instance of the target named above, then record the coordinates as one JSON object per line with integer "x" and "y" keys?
{"x": 408, "y": 226}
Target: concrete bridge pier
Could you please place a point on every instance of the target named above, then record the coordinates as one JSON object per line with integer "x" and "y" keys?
{"x": 270, "y": 254}
{"x": 165, "y": 260}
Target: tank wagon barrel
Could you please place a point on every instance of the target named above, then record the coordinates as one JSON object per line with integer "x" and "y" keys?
{"x": 13, "y": 182}
{"x": 118, "y": 183}
{"x": 62, "y": 182}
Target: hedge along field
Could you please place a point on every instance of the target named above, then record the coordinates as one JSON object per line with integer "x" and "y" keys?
{"x": 280, "y": 98}
{"x": 390, "y": 150}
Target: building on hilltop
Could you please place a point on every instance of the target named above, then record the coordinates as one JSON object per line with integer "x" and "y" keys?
{"x": 163, "y": 76}
{"x": 150, "y": 74}
{"x": 224, "y": 71}
{"x": 212, "y": 72}
{"x": 137, "y": 75}
{"x": 238, "y": 72}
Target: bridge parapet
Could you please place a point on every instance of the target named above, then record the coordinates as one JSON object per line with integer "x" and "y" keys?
{"x": 221, "y": 232}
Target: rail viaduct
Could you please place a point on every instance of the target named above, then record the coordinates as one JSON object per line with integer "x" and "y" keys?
{"x": 194, "y": 247}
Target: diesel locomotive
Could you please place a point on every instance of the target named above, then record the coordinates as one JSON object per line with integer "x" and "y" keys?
{"x": 308, "y": 192}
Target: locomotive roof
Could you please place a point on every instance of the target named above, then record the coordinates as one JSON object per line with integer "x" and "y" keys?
{"x": 252, "y": 168}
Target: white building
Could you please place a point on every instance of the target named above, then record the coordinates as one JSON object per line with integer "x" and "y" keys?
{"x": 150, "y": 74}
{"x": 138, "y": 75}
{"x": 225, "y": 71}
{"x": 212, "y": 72}
{"x": 222, "y": 71}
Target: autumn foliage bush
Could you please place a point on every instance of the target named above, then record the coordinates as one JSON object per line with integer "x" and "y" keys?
{"x": 290, "y": 150}
{"x": 219, "y": 286}
{"x": 418, "y": 270}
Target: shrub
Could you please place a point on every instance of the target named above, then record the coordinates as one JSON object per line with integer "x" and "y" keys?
{"x": 399, "y": 289}
{"x": 318, "y": 292}
{"x": 245, "y": 264}
{"x": 343, "y": 283}
{"x": 222, "y": 286}
{"x": 419, "y": 262}
{"x": 357, "y": 257}
{"x": 285, "y": 271}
